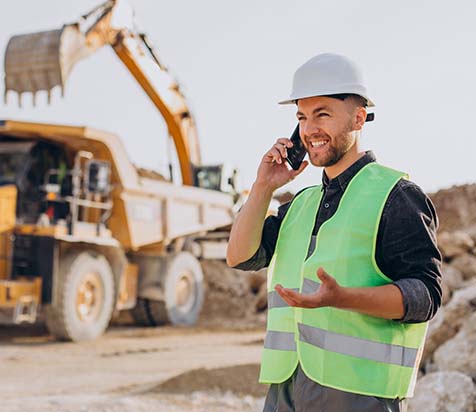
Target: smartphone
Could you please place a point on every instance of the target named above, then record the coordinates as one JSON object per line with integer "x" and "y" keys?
{"x": 297, "y": 153}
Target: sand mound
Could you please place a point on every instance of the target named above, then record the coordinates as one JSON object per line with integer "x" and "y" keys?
{"x": 240, "y": 380}
{"x": 231, "y": 297}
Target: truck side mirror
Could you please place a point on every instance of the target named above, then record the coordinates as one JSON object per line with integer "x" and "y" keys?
{"x": 98, "y": 174}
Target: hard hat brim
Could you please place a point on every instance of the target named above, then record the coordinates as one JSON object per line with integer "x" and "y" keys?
{"x": 293, "y": 100}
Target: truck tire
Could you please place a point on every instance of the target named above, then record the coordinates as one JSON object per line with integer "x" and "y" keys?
{"x": 182, "y": 287}
{"x": 85, "y": 298}
{"x": 148, "y": 312}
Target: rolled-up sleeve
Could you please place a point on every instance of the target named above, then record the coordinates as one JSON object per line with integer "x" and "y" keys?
{"x": 407, "y": 250}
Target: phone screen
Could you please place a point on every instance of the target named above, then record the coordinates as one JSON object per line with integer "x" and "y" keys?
{"x": 297, "y": 153}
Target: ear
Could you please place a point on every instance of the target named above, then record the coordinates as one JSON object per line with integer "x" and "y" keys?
{"x": 360, "y": 115}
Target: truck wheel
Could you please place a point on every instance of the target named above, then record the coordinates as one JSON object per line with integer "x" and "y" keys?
{"x": 183, "y": 289}
{"x": 85, "y": 297}
{"x": 182, "y": 284}
{"x": 148, "y": 312}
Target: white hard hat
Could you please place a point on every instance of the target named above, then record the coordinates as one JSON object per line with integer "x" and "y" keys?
{"x": 327, "y": 74}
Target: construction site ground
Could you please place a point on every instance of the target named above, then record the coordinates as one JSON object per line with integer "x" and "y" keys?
{"x": 210, "y": 367}
{"x": 132, "y": 369}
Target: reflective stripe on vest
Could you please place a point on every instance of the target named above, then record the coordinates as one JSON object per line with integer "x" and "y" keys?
{"x": 360, "y": 348}
{"x": 337, "y": 348}
{"x": 276, "y": 301}
{"x": 346, "y": 345}
{"x": 279, "y": 340}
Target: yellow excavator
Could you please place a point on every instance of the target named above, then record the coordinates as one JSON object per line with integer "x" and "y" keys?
{"x": 83, "y": 232}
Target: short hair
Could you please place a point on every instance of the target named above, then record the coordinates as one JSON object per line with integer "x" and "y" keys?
{"x": 358, "y": 100}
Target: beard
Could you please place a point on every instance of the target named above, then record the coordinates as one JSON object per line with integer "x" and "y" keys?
{"x": 336, "y": 148}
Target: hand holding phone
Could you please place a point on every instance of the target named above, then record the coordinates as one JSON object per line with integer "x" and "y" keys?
{"x": 297, "y": 152}
{"x": 273, "y": 172}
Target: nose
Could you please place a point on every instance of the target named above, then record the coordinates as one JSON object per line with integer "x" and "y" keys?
{"x": 308, "y": 129}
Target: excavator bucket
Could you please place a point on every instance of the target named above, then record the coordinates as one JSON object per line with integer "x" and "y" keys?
{"x": 42, "y": 61}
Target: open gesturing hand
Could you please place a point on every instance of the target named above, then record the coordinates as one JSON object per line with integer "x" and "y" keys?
{"x": 327, "y": 295}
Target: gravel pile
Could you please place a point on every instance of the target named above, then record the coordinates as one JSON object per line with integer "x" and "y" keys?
{"x": 448, "y": 370}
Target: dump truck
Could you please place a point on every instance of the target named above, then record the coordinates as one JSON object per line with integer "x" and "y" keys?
{"x": 83, "y": 232}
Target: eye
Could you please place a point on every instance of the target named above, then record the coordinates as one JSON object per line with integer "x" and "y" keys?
{"x": 323, "y": 115}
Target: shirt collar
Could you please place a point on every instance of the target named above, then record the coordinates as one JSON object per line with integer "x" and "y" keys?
{"x": 345, "y": 177}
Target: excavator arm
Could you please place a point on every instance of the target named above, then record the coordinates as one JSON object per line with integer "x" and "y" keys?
{"x": 41, "y": 61}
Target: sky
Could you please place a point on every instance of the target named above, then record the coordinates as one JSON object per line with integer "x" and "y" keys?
{"x": 235, "y": 61}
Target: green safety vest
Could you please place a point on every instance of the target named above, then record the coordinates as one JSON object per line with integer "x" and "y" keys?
{"x": 338, "y": 348}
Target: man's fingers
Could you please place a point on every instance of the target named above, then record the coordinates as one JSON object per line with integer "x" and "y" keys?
{"x": 291, "y": 294}
{"x": 282, "y": 149}
{"x": 274, "y": 155}
{"x": 289, "y": 301}
{"x": 287, "y": 294}
{"x": 286, "y": 142}
{"x": 294, "y": 298}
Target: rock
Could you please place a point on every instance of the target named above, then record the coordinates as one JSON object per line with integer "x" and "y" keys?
{"x": 466, "y": 264}
{"x": 452, "y": 244}
{"x": 449, "y": 319}
{"x": 452, "y": 277}
{"x": 443, "y": 392}
{"x": 445, "y": 293}
{"x": 262, "y": 298}
{"x": 258, "y": 286}
{"x": 256, "y": 279}
{"x": 456, "y": 207}
{"x": 284, "y": 197}
{"x": 471, "y": 231}
{"x": 459, "y": 353}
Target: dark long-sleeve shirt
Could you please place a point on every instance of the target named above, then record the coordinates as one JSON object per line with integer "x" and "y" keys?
{"x": 406, "y": 249}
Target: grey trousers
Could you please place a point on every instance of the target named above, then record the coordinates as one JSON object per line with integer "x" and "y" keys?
{"x": 301, "y": 394}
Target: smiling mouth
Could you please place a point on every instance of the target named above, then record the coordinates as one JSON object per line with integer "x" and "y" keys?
{"x": 319, "y": 143}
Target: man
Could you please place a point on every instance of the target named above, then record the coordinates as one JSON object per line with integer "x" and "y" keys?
{"x": 354, "y": 270}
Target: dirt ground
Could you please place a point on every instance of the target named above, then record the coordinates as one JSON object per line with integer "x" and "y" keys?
{"x": 212, "y": 367}
{"x": 131, "y": 369}
{"x": 209, "y": 368}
